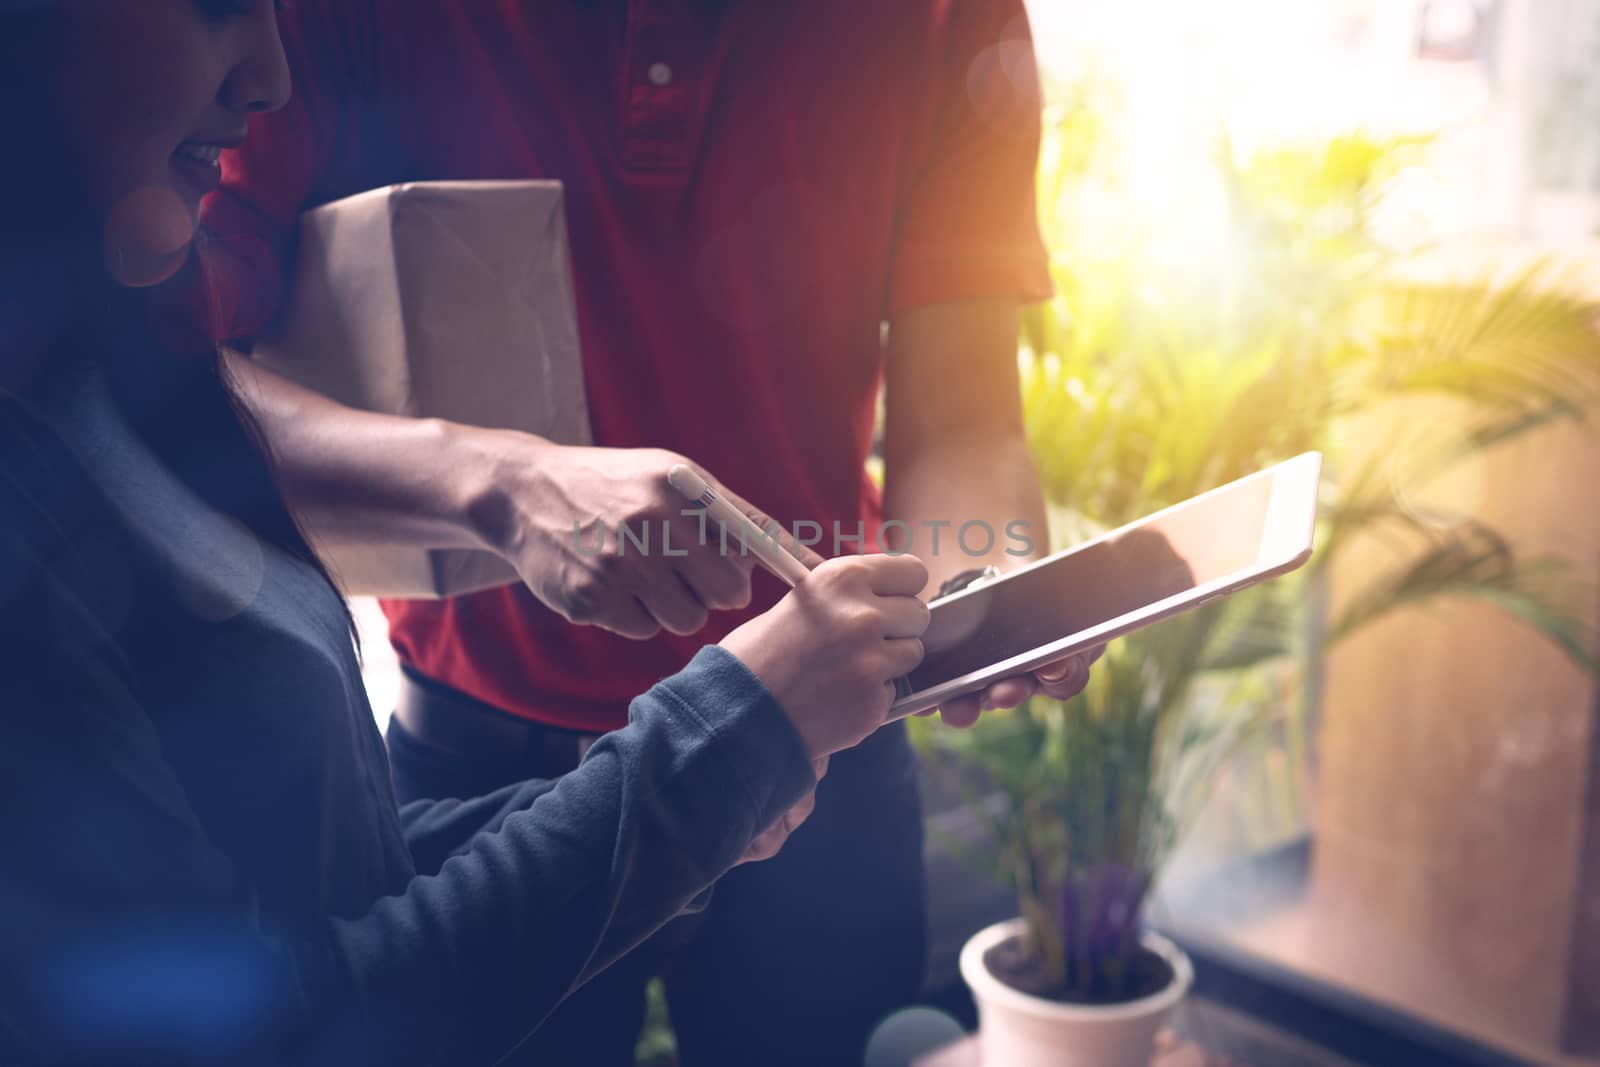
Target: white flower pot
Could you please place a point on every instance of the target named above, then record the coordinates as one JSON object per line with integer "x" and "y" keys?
{"x": 1016, "y": 1029}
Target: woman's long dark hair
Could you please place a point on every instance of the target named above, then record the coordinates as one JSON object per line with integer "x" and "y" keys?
{"x": 61, "y": 310}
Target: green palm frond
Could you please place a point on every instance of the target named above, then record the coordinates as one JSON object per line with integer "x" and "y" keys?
{"x": 1147, "y": 380}
{"x": 1256, "y": 627}
{"x": 1525, "y": 346}
{"x": 1472, "y": 560}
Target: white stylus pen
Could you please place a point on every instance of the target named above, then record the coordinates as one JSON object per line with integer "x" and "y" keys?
{"x": 763, "y": 545}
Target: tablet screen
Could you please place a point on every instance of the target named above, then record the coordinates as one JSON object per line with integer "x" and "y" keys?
{"x": 1194, "y": 544}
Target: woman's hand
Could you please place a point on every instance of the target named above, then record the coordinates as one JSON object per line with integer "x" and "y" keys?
{"x": 557, "y": 516}
{"x": 768, "y": 843}
{"x": 831, "y": 650}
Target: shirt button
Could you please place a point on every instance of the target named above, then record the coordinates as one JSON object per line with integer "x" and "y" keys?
{"x": 660, "y": 74}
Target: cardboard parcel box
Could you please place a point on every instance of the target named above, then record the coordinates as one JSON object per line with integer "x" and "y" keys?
{"x": 443, "y": 299}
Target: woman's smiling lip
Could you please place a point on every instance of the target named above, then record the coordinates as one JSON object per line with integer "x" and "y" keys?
{"x": 198, "y": 170}
{"x": 197, "y": 165}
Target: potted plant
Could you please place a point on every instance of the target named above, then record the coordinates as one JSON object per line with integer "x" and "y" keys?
{"x": 1147, "y": 381}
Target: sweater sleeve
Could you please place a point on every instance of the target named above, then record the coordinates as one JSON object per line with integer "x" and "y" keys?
{"x": 130, "y": 937}
{"x": 436, "y": 830}
{"x": 597, "y": 861}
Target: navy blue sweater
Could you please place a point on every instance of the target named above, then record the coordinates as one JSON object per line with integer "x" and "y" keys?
{"x": 203, "y": 860}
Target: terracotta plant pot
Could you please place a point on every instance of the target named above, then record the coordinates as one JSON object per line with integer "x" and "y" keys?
{"x": 1016, "y": 1029}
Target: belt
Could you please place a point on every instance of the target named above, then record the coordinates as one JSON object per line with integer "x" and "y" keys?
{"x": 450, "y": 720}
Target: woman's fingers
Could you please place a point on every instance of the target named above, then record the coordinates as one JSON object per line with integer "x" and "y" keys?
{"x": 800, "y": 812}
{"x": 904, "y": 616}
{"x": 901, "y": 655}
{"x": 770, "y": 841}
{"x": 903, "y": 575}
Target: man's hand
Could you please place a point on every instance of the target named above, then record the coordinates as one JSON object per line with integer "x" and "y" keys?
{"x": 1062, "y": 680}
{"x": 559, "y": 518}
{"x": 360, "y": 478}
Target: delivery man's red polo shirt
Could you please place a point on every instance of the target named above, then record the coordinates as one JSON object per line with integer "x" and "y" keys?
{"x": 753, "y": 187}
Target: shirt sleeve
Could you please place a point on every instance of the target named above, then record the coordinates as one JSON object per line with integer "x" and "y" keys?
{"x": 319, "y": 147}
{"x": 129, "y": 935}
{"x": 967, "y": 224}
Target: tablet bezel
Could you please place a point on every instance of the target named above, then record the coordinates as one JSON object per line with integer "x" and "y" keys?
{"x": 1286, "y": 543}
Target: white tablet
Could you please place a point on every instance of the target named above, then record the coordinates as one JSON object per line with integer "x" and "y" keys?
{"x": 1177, "y": 559}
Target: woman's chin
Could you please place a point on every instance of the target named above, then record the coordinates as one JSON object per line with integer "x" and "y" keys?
{"x": 147, "y": 236}
{"x": 141, "y": 268}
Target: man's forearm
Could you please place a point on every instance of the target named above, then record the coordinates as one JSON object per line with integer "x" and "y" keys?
{"x": 980, "y": 499}
{"x": 357, "y": 477}
{"x": 955, "y": 451}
